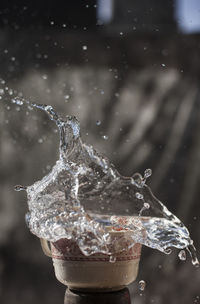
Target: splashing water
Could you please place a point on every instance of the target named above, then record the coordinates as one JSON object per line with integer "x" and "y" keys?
{"x": 84, "y": 198}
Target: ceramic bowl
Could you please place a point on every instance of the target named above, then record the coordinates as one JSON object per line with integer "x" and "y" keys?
{"x": 97, "y": 272}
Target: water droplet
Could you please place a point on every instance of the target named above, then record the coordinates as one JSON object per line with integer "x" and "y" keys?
{"x": 142, "y": 285}
{"x": 139, "y": 195}
{"x": 192, "y": 251}
{"x": 45, "y": 76}
{"x": 138, "y": 180}
{"x": 66, "y": 98}
{"x": 105, "y": 137}
{"x": 98, "y": 122}
{"x": 168, "y": 251}
{"x": 27, "y": 219}
{"x": 48, "y": 167}
{"x": 182, "y": 255}
{"x": 10, "y": 92}
{"x": 84, "y": 47}
{"x": 112, "y": 259}
{"x": 40, "y": 140}
{"x": 163, "y": 64}
{"x": 147, "y": 173}
{"x": 195, "y": 262}
{"x": 17, "y": 101}
{"x": 20, "y": 188}
{"x": 146, "y": 206}
{"x": 1, "y": 91}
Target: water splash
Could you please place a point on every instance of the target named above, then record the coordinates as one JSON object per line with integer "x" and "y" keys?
{"x": 85, "y": 198}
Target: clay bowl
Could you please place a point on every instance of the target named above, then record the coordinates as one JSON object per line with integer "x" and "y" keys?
{"x": 97, "y": 272}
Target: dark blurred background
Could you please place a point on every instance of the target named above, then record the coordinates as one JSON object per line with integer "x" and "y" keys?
{"x": 130, "y": 71}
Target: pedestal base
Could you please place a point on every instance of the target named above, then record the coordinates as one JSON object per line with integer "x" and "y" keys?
{"x": 80, "y": 297}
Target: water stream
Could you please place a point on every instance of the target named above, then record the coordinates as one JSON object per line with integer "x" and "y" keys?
{"x": 84, "y": 198}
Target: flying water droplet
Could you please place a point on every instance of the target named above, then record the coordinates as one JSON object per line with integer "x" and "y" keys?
{"x": 20, "y": 188}
{"x": 66, "y": 98}
{"x": 147, "y": 173}
{"x": 17, "y": 101}
{"x": 98, "y": 122}
{"x": 168, "y": 251}
{"x": 195, "y": 262}
{"x": 145, "y": 207}
{"x": 138, "y": 180}
{"x": 142, "y": 285}
{"x": 139, "y": 196}
{"x": 10, "y": 92}
{"x": 27, "y": 218}
{"x": 192, "y": 251}
{"x": 182, "y": 255}
{"x": 40, "y": 140}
